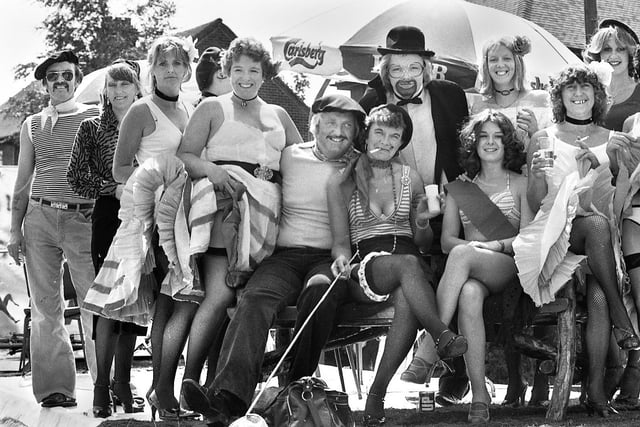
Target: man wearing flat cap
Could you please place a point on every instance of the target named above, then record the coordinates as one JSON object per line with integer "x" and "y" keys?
{"x": 302, "y": 254}
{"x": 50, "y": 224}
{"x": 437, "y": 108}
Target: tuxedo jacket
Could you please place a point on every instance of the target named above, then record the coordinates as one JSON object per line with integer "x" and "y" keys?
{"x": 449, "y": 110}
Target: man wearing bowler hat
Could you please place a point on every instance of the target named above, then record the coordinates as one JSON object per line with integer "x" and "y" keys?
{"x": 302, "y": 255}
{"x": 437, "y": 108}
{"x": 50, "y": 223}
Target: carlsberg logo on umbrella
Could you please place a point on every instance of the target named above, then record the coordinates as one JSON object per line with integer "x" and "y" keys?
{"x": 296, "y": 51}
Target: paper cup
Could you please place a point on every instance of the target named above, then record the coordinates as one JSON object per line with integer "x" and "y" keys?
{"x": 433, "y": 202}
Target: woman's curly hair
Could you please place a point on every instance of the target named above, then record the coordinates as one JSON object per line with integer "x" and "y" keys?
{"x": 514, "y": 155}
{"x": 252, "y": 48}
{"x": 518, "y": 46}
{"x": 621, "y": 37}
{"x": 578, "y": 73}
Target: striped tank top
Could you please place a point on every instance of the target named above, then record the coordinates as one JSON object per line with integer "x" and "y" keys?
{"x": 52, "y": 151}
{"x": 504, "y": 201}
{"x": 364, "y": 224}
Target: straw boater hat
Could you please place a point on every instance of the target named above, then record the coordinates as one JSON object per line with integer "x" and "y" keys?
{"x": 615, "y": 23}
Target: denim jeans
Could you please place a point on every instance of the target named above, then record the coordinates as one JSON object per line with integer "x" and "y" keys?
{"x": 51, "y": 235}
{"x": 275, "y": 284}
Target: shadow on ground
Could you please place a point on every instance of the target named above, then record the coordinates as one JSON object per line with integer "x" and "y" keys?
{"x": 457, "y": 416}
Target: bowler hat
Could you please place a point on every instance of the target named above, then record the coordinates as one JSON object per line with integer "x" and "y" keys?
{"x": 61, "y": 56}
{"x": 406, "y": 40}
{"x": 338, "y": 103}
{"x": 615, "y": 23}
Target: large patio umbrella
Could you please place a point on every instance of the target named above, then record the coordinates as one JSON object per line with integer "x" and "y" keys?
{"x": 455, "y": 30}
{"x": 92, "y": 84}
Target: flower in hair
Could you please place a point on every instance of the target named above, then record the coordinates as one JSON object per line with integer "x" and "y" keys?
{"x": 602, "y": 70}
{"x": 521, "y": 45}
{"x": 189, "y": 46}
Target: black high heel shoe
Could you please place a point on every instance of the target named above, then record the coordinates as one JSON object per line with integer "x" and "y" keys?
{"x": 101, "y": 401}
{"x": 455, "y": 346}
{"x": 375, "y": 417}
{"x": 170, "y": 414}
{"x": 600, "y": 408}
{"x": 626, "y": 339}
{"x": 517, "y": 400}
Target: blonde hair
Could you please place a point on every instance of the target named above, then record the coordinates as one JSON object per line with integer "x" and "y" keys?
{"x": 160, "y": 48}
{"x": 518, "y": 46}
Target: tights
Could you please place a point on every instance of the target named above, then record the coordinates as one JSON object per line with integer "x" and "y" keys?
{"x": 590, "y": 236}
{"x": 169, "y": 343}
{"x": 400, "y": 339}
{"x": 110, "y": 343}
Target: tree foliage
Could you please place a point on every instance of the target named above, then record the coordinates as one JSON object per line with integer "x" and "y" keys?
{"x": 300, "y": 84}
{"x": 97, "y": 35}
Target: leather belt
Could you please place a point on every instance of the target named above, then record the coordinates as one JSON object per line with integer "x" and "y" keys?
{"x": 63, "y": 205}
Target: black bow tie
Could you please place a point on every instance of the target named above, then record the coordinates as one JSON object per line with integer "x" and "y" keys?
{"x": 416, "y": 100}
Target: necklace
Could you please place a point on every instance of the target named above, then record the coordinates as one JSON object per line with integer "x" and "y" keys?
{"x": 380, "y": 164}
{"x": 164, "y": 96}
{"x": 578, "y": 121}
{"x": 505, "y": 92}
{"x": 243, "y": 102}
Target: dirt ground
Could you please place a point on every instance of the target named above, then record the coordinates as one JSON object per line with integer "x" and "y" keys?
{"x": 457, "y": 416}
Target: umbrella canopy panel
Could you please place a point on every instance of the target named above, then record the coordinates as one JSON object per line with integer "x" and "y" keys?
{"x": 456, "y": 31}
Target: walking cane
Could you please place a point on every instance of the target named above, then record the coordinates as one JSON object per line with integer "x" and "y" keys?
{"x": 250, "y": 419}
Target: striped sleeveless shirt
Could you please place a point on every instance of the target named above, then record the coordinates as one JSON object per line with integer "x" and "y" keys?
{"x": 364, "y": 224}
{"x": 52, "y": 151}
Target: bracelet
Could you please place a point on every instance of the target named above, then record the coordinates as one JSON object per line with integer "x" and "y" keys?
{"x": 501, "y": 246}
{"x": 422, "y": 227}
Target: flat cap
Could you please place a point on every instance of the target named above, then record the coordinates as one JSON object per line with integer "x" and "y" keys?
{"x": 338, "y": 103}
{"x": 61, "y": 56}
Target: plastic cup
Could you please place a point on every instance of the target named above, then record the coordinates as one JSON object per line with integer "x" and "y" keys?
{"x": 433, "y": 202}
{"x": 546, "y": 151}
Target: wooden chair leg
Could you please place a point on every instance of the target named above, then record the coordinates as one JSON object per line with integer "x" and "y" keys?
{"x": 353, "y": 361}
{"x": 566, "y": 358}
{"x": 336, "y": 353}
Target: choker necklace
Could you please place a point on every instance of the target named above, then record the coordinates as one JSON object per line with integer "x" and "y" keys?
{"x": 243, "y": 102}
{"x": 165, "y": 97}
{"x": 578, "y": 121}
{"x": 381, "y": 164}
{"x": 505, "y": 92}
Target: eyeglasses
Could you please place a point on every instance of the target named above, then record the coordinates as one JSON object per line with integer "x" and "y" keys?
{"x": 414, "y": 70}
{"x": 53, "y": 76}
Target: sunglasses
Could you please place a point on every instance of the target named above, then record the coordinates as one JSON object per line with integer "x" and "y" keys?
{"x": 54, "y": 75}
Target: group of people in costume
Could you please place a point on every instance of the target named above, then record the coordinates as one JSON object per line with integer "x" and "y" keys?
{"x": 168, "y": 215}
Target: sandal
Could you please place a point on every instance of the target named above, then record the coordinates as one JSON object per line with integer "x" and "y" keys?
{"x": 455, "y": 346}
{"x": 479, "y": 413}
{"x": 58, "y": 399}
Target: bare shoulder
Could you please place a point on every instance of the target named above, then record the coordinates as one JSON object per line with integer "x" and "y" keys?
{"x": 518, "y": 182}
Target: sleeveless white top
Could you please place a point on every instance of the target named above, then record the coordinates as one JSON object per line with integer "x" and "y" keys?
{"x": 237, "y": 141}
{"x": 166, "y": 136}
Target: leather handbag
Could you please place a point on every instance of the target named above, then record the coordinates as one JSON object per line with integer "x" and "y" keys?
{"x": 309, "y": 402}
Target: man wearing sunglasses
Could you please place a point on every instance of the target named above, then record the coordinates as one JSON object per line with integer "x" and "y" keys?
{"x": 50, "y": 224}
{"x": 437, "y": 109}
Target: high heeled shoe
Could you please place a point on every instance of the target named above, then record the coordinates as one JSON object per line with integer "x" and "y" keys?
{"x": 418, "y": 372}
{"x": 517, "y": 400}
{"x": 167, "y": 414}
{"x": 455, "y": 346}
{"x": 123, "y": 396}
{"x": 101, "y": 401}
{"x": 478, "y": 413}
{"x": 374, "y": 413}
{"x": 601, "y": 408}
{"x": 626, "y": 339}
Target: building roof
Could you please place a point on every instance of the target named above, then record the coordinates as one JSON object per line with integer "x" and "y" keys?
{"x": 565, "y": 19}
